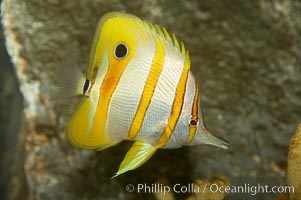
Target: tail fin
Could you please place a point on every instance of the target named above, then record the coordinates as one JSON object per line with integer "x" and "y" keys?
{"x": 70, "y": 83}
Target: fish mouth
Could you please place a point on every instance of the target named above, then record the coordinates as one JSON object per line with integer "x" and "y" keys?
{"x": 218, "y": 142}
{"x": 207, "y": 138}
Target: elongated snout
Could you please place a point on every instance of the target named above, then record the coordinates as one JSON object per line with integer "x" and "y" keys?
{"x": 203, "y": 136}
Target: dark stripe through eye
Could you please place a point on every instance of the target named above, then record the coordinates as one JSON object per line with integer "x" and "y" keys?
{"x": 86, "y": 86}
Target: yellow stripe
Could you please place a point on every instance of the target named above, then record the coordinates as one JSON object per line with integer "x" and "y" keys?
{"x": 106, "y": 91}
{"x": 107, "y": 88}
{"x": 177, "y": 105}
{"x": 148, "y": 90}
{"x": 194, "y": 113}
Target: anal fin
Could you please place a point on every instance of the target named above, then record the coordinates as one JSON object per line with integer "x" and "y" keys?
{"x": 103, "y": 147}
{"x": 138, "y": 154}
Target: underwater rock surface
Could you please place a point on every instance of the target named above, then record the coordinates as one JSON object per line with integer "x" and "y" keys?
{"x": 245, "y": 54}
{"x": 10, "y": 117}
{"x": 294, "y": 164}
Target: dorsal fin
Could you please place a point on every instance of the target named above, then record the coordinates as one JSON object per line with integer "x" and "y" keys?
{"x": 162, "y": 32}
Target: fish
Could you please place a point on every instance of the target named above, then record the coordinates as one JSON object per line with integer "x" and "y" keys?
{"x": 138, "y": 87}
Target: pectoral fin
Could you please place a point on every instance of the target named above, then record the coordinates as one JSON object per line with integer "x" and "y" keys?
{"x": 138, "y": 154}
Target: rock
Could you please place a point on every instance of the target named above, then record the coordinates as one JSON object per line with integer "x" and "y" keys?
{"x": 294, "y": 165}
{"x": 10, "y": 118}
{"x": 216, "y": 189}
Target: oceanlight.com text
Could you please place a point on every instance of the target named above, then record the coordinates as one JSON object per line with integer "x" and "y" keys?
{"x": 214, "y": 188}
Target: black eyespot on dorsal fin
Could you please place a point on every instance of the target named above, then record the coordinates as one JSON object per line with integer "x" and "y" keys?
{"x": 121, "y": 50}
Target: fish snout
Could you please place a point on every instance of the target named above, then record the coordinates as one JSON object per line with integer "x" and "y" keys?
{"x": 203, "y": 136}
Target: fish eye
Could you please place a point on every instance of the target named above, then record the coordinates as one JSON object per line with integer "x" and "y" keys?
{"x": 193, "y": 122}
{"x": 120, "y": 51}
{"x": 86, "y": 86}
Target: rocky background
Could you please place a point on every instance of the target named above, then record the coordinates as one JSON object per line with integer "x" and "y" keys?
{"x": 245, "y": 54}
{"x": 10, "y": 118}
